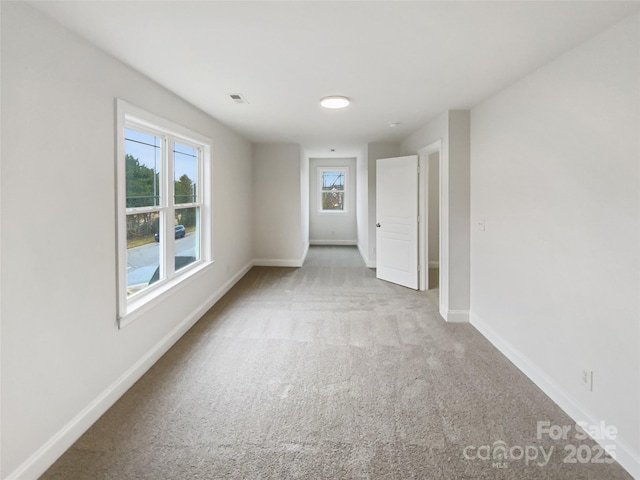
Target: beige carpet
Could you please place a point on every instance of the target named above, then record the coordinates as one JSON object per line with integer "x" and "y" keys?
{"x": 326, "y": 372}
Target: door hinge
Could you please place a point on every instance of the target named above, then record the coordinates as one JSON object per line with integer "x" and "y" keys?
{"x": 419, "y": 267}
{"x": 418, "y": 219}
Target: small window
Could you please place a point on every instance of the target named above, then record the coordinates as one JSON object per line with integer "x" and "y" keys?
{"x": 332, "y": 189}
{"x": 163, "y": 195}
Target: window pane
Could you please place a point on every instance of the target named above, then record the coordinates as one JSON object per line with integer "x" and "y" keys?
{"x": 333, "y": 200}
{"x": 333, "y": 190}
{"x": 143, "y": 160}
{"x": 185, "y": 172}
{"x": 187, "y": 233}
{"x": 332, "y": 181}
{"x": 143, "y": 251}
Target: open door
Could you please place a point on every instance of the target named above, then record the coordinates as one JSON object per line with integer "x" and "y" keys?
{"x": 397, "y": 220}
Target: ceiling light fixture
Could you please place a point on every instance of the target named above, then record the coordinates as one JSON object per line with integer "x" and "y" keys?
{"x": 334, "y": 102}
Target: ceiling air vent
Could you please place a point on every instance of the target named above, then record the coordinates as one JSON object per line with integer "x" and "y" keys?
{"x": 238, "y": 98}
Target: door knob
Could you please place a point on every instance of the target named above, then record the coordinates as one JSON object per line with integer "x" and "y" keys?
{"x": 378, "y": 225}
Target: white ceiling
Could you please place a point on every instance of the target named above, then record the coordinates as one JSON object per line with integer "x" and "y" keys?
{"x": 398, "y": 61}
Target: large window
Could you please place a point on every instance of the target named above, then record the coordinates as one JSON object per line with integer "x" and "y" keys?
{"x": 163, "y": 200}
{"x": 332, "y": 193}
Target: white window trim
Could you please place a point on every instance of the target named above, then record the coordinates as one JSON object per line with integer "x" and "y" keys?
{"x": 129, "y": 309}
{"x": 344, "y": 170}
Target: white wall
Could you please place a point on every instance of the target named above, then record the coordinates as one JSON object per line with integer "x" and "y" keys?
{"x": 459, "y": 213}
{"x": 333, "y": 228}
{"x": 362, "y": 203}
{"x": 452, "y": 128}
{"x": 555, "y": 275}
{"x": 304, "y": 202}
{"x": 61, "y": 348}
{"x": 277, "y": 205}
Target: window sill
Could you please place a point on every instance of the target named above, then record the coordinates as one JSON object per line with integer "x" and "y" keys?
{"x": 136, "y": 307}
{"x": 333, "y": 212}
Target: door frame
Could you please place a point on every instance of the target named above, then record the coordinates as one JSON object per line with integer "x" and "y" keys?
{"x": 423, "y": 212}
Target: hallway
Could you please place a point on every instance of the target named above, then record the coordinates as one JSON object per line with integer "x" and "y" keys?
{"x": 324, "y": 372}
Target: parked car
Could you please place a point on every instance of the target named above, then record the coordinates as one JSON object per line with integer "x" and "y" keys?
{"x": 180, "y": 233}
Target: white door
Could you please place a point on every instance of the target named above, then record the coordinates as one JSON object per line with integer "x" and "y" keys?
{"x": 397, "y": 220}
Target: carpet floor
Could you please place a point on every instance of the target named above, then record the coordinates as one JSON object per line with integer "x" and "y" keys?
{"x": 326, "y": 372}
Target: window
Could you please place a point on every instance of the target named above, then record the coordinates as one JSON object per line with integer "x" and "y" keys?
{"x": 332, "y": 189}
{"x": 163, "y": 203}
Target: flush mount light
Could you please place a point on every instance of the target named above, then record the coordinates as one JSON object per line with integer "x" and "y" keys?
{"x": 334, "y": 102}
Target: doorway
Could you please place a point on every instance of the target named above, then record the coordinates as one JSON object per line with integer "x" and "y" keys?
{"x": 432, "y": 210}
{"x": 430, "y": 216}
{"x": 397, "y": 226}
{"x": 411, "y": 188}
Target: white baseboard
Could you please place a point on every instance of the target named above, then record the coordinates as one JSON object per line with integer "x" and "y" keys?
{"x": 443, "y": 309}
{"x": 282, "y": 262}
{"x": 624, "y": 455}
{"x": 48, "y": 453}
{"x": 456, "y": 316}
{"x": 333, "y": 242}
{"x": 367, "y": 262}
{"x": 277, "y": 262}
{"x": 434, "y": 264}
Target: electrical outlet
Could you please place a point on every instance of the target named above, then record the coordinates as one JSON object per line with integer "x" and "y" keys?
{"x": 587, "y": 379}
{"x": 481, "y": 225}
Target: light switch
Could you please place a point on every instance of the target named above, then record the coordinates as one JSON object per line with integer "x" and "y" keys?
{"x": 481, "y": 225}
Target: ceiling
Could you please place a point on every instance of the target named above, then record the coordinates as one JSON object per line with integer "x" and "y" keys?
{"x": 398, "y": 61}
